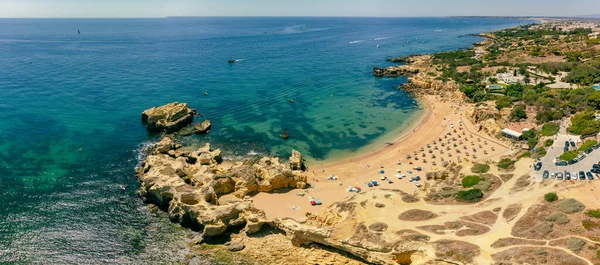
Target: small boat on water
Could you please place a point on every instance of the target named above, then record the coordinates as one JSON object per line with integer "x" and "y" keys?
{"x": 232, "y": 61}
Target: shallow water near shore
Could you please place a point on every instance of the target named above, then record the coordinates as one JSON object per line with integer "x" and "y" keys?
{"x": 70, "y": 130}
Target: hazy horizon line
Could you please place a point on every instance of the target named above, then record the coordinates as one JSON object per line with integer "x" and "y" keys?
{"x": 253, "y": 16}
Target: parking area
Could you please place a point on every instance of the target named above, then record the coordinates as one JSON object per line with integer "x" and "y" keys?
{"x": 557, "y": 149}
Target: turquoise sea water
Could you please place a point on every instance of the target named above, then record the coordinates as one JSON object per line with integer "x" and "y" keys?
{"x": 70, "y": 105}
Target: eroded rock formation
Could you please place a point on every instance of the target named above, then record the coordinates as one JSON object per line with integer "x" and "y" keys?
{"x": 199, "y": 191}
{"x": 168, "y": 118}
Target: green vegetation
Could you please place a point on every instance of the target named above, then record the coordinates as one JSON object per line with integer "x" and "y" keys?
{"x": 518, "y": 113}
{"x": 570, "y": 206}
{"x": 593, "y": 213}
{"x": 559, "y": 218}
{"x": 506, "y": 163}
{"x": 525, "y": 154}
{"x": 598, "y": 254}
{"x": 480, "y": 168}
{"x": 472, "y": 195}
{"x": 568, "y": 155}
{"x": 550, "y": 128}
{"x": 470, "y": 181}
{"x": 584, "y": 74}
{"x": 549, "y": 142}
{"x": 531, "y": 137}
{"x": 587, "y": 145}
{"x": 504, "y": 102}
{"x": 584, "y": 123}
{"x": 551, "y": 197}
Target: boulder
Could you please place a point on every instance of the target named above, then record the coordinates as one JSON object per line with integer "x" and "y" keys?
{"x": 202, "y": 128}
{"x": 285, "y": 134}
{"x": 168, "y": 118}
{"x": 165, "y": 145}
{"x": 236, "y": 246}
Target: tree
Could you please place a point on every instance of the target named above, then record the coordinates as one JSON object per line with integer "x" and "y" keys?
{"x": 518, "y": 113}
{"x": 493, "y": 80}
{"x": 593, "y": 100}
{"x": 550, "y": 197}
{"x": 515, "y": 72}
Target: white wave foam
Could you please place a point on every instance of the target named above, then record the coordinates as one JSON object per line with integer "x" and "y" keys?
{"x": 355, "y": 41}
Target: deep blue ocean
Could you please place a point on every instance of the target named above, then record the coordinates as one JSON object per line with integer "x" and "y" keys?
{"x": 70, "y": 106}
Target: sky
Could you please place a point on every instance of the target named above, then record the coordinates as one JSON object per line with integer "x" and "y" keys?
{"x": 370, "y": 8}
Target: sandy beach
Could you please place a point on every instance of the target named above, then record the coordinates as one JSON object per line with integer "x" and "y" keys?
{"x": 443, "y": 135}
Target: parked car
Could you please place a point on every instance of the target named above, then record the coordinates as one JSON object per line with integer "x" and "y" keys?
{"x": 581, "y": 175}
{"x": 595, "y": 166}
{"x": 589, "y": 175}
{"x": 596, "y": 170}
{"x": 560, "y": 163}
{"x": 538, "y": 166}
{"x": 572, "y": 161}
{"x": 574, "y": 175}
{"x": 566, "y": 143}
{"x": 589, "y": 150}
{"x": 572, "y": 144}
{"x": 546, "y": 174}
{"x": 597, "y": 146}
{"x": 580, "y": 157}
{"x": 567, "y": 175}
{"x": 552, "y": 175}
{"x": 566, "y": 149}
{"x": 559, "y": 176}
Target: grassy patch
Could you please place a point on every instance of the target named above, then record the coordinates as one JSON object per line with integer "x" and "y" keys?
{"x": 593, "y": 213}
{"x": 550, "y": 128}
{"x": 550, "y": 197}
{"x": 470, "y": 181}
{"x": 472, "y": 195}
{"x": 568, "y": 155}
{"x": 506, "y": 163}
{"x": 588, "y": 144}
{"x": 480, "y": 168}
{"x": 549, "y": 142}
{"x": 575, "y": 244}
{"x": 526, "y": 154}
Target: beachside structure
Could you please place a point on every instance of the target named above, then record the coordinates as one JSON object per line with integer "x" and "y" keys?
{"x": 506, "y": 132}
{"x": 597, "y": 86}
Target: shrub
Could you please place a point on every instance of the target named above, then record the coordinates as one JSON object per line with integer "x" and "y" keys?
{"x": 575, "y": 244}
{"x": 506, "y": 163}
{"x": 480, "y": 168}
{"x": 544, "y": 227}
{"x": 598, "y": 254}
{"x": 570, "y": 206}
{"x": 584, "y": 123}
{"x": 550, "y": 128}
{"x": 568, "y": 155}
{"x": 589, "y": 225}
{"x": 551, "y": 197}
{"x": 549, "y": 142}
{"x": 588, "y": 144}
{"x": 518, "y": 113}
{"x": 472, "y": 195}
{"x": 559, "y": 218}
{"x": 593, "y": 213}
{"x": 470, "y": 181}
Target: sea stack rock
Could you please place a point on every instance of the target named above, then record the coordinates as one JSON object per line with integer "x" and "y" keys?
{"x": 285, "y": 134}
{"x": 168, "y": 118}
{"x": 202, "y": 128}
{"x": 296, "y": 162}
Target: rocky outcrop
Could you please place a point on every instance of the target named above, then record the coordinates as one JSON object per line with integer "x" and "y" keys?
{"x": 168, "y": 118}
{"x": 485, "y": 117}
{"x": 200, "y": 192}
{"x": 396, "y": 70}
{"x": 347, "y": 227}
{"x": 202, "y": 127}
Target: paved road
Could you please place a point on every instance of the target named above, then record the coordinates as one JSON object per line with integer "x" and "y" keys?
{"x": 557, "y": 149}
